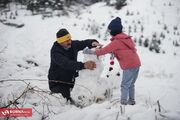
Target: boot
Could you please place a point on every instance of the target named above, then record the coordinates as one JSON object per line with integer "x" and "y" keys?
{"x": 123, "y": 102}
{"x": 131, "y": 102}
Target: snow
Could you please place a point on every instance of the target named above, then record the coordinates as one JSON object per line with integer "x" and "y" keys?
{"x": 25, "y": 56}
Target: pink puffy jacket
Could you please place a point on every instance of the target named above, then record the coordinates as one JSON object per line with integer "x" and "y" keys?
{"x": 124, "y": 50}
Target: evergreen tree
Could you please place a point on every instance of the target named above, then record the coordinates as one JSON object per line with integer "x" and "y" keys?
{"x": 3, "y": 3}
{"x": 120, "y": 4}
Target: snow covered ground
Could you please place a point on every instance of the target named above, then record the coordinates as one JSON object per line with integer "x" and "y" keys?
{"x": 24, "y": 55}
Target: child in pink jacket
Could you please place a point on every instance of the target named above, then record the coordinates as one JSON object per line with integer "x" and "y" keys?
{"x": 123, "y": 48}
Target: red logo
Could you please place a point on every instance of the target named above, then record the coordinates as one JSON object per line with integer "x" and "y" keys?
{"x": 15, "y": 112}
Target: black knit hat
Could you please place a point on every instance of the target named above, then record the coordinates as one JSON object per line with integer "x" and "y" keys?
{"x": 63, "y": 35}
{"x": 62, "y": 32}
{"x": 115, "y": 26}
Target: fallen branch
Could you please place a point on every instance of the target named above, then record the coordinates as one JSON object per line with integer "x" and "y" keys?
{"x": 15, "y": 101}
{"x": 117, "y": 116}
{"x": 159, "y": 106}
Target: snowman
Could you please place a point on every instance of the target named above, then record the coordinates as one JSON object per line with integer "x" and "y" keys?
{"x": 90, "y": 87}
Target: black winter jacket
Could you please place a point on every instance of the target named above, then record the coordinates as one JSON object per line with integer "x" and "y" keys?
{"x": 64, "y": 65}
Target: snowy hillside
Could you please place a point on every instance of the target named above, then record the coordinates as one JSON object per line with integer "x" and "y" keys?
{"x": 25, "y": 59}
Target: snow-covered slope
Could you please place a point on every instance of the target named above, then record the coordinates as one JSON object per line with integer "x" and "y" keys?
{"x": 24, "y": 54}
